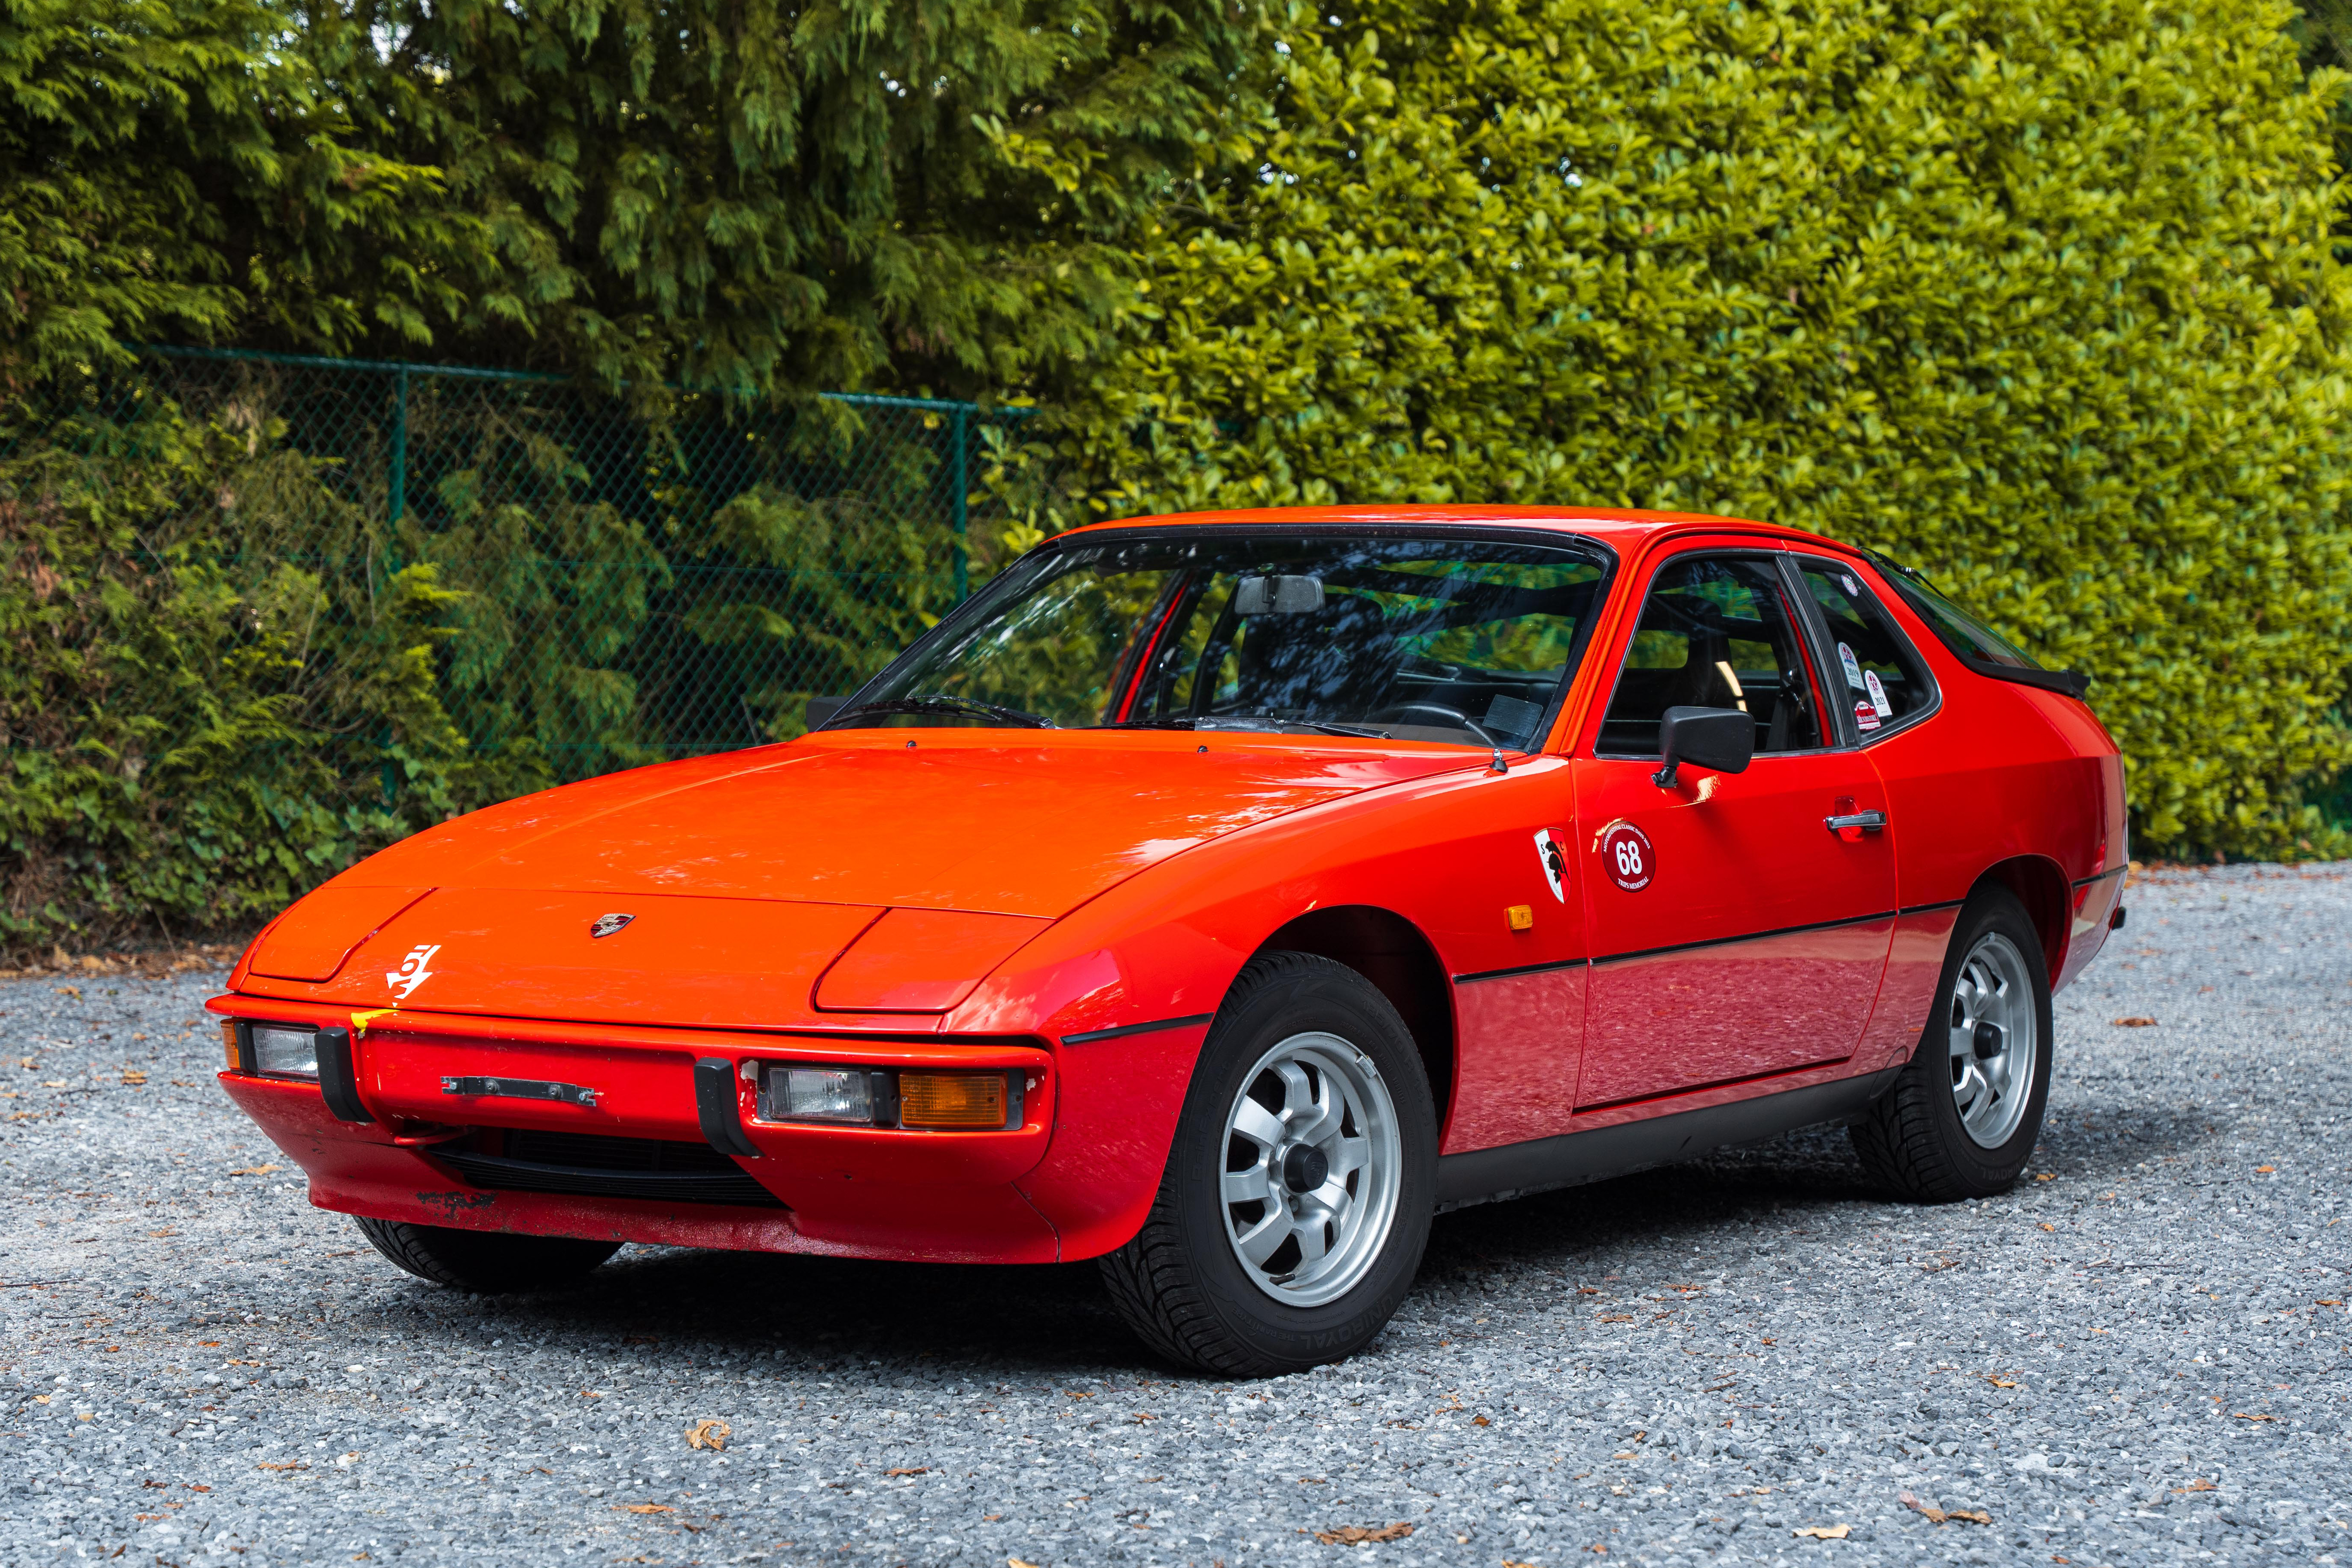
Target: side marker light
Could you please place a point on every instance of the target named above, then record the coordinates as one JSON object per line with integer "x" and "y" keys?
{"x": 1521, "y": 916}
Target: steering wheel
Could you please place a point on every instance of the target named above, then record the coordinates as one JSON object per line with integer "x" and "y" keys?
{"x": 1405, "y": 710}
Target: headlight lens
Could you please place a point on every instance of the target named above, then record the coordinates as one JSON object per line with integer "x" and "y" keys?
{"x": 282, "y": 1052}
{"x": 820, "y": 1094}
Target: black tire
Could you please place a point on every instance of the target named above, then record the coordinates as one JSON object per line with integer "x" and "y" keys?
{"x": 1912, "y": 1141}
{"x": 1179, "y": 1282}
{"x": 487, "y": 1262}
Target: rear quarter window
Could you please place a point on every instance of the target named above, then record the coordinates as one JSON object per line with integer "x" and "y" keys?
{"x": 1881, "y": 677}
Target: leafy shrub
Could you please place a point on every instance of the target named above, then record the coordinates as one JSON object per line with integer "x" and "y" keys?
{"x": 210, "y": 698}
{"x": 2038, "y": 297}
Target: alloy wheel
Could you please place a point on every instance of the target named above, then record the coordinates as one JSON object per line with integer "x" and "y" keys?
{"x": 1994, "y": 1041}
{"x": 1312, "y": 1169}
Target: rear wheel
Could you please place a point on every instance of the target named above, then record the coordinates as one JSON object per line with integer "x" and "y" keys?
{"x": 487, "y": 1262}
{"x": 1298, "y": 1191}
{"x": 1963, "y": 1117}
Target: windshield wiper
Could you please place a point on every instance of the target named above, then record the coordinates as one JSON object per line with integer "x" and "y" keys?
{"x": 1250, "y": 722}
{"x": 940, "y": 702}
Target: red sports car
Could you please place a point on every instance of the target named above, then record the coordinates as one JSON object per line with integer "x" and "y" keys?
{"x": 1221, "y": 896}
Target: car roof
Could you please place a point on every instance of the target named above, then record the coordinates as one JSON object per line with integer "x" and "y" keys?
{"x": 1615, "y": 526}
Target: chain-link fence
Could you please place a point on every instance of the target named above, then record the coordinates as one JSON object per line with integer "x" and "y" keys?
{"x": 620, "y": 580}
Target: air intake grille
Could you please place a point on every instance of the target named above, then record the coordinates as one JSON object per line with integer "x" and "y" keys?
{"x": 586, "y": 1164}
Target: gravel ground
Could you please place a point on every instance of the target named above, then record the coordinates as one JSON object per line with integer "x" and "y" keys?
{"x": 2136, "y": 1357}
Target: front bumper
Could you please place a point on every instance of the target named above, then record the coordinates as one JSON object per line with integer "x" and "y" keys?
{"x": 435, "y": 1157}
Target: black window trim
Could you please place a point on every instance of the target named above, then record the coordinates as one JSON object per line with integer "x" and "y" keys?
{"x": 1825, "y": 651}
{"x": 2074, "y": 683}
{"x": 1598, "y": 552}
{"x": 1760, "y": 549}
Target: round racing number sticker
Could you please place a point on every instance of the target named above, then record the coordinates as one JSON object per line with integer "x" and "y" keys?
{"x": 1625, "y": 854}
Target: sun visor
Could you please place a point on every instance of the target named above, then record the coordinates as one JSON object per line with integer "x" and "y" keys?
{"x": 921, "y": 961}
{"x": 318, "y": 933}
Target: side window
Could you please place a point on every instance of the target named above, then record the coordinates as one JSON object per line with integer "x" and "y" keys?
{"x": 1717, "y": 631}
{"x": 1883, "y": 679}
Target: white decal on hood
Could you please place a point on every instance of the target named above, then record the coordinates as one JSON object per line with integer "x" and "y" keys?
{"x": 412, "y": 972}
{"x": 1554, "y": 860}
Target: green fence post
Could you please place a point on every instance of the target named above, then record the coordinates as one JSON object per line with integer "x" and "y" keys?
{"x": 399, "y": 498}
{"x": 396, "y": 503}
{"x": 963, "y": 486}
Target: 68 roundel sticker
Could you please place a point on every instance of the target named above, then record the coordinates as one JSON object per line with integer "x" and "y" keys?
{"x": 1626, "y": 856}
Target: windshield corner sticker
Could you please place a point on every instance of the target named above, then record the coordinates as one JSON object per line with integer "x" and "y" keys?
{"x": 1553, "y": 856}
{"x": 1627, "y": 856}
{"x": 412, "y": 972}
{"x": 1877, "y": 694}
{"x": 1853, "y": 667}
{"x": 1866, "y": 716}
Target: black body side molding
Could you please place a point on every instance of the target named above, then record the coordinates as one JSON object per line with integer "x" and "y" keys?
{"x": 1484, "y": 1175}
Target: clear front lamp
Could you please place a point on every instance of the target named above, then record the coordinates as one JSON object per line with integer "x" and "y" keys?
{"x": 284, "y": 1053}
{"x": 820, "y": 1094}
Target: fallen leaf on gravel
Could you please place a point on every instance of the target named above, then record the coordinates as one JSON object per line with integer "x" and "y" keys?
{"x": 163, "y": 1233}
{"x": 1017, "y": 1563}
{"x": 2047, "y": 1226}
{"x": 288, "y": 1465}
{"x": 1616, "y": 1317}
{"x": 645, "y": 1508}
{"x": 135, "y": 1078}
{"x": 914, "y": 1470}
{"x": 1480, "y": 1421}
{"x": 258, "y": 1170}
{"x": 1357, "y": 1535}
{"x": 708, "y": 1433}
{"x": 2242, "y": 1416}
{"x": 2327, "y": 1302}
{"x": 2135, "y": 1023}
{"x": 1999, "y": 1382}
{"x": 1939, "y": 1515}
{"x": 2199, "y": 1485}
{"x": 1824, "y": 1531}
{"x": 2047, "y": 1176}
{"x": 2266, "y": 1170}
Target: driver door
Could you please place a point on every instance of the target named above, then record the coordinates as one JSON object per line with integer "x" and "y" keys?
{"x": 1734, "y": 934}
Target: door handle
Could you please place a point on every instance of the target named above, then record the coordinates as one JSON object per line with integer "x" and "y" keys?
{"x": 1868, "y": 821}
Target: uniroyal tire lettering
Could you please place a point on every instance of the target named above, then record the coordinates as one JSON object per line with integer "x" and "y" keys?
{"x": 1626, "y": 856}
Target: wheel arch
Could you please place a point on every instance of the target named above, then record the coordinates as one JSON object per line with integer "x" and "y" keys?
{"x": 2041, "y": 886}
{"x": 1391, "y": 951}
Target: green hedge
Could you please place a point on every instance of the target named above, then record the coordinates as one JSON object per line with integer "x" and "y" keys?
{"x": 2038, "y": 297}
{"x": 223, "y": 677}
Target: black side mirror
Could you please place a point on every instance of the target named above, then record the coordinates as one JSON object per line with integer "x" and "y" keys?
{"x": 1722, "y": 739}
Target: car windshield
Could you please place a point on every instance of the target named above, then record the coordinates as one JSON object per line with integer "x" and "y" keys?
{"x": 1461, "y": 641}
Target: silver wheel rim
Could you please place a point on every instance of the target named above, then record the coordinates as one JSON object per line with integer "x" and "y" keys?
{"x": 1312, "y": 1170}
{"x": 1995, "y": 1041}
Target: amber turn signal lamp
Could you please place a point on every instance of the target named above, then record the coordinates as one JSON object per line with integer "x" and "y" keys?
{"x": 950, "y": 1100}
{"x": 1521, "y": 916}
{"x": 228, "y": 1038}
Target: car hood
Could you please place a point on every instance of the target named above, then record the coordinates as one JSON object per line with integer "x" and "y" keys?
{"x": 840, "y": 827}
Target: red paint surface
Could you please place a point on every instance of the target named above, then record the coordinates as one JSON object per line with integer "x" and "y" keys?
{"x": 921, "y": 961}
{"x": 1521, "y": 1037}
{"x": 1031, "y": 886}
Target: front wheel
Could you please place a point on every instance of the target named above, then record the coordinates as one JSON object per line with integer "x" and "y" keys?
{"x": 1299, "y": 1192}
{"x": 487, "y": 1262}
{"x": 1963, "y": 1117}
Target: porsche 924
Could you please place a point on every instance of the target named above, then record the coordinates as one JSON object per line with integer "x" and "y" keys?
{"x": 1221, "y": 896}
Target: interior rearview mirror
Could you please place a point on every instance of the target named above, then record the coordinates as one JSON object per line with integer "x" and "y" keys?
{"x": 1721, "y": 739}
{"x": 1278, "y": 596}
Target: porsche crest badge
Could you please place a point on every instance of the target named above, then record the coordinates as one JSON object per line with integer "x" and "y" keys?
{"x": 605, "y": 925}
